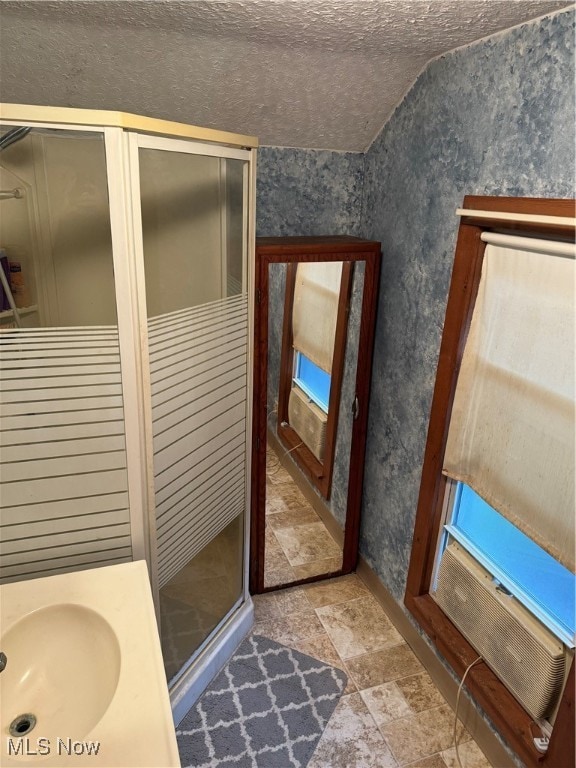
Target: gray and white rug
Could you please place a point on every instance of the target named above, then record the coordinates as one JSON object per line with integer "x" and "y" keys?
{"x": 266, "y": 709}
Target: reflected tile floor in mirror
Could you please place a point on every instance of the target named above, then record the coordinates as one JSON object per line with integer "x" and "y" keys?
{"x": 391, "y": 713}
{"x": 298, "y": 544}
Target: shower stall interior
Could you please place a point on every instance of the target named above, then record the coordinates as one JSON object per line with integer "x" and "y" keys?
{"x": 126, "y": 250}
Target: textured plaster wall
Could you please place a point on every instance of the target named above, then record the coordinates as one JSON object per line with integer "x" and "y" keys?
{"x": 496, "y": 118}
{"x": 308, "y": 192}
{"x": 341, "y": 470}
{"x": 326, "y": 73}
{"x": 276, "y": 294}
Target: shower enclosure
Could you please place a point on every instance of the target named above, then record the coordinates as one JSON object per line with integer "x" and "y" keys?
{"x": 126, "y": 250}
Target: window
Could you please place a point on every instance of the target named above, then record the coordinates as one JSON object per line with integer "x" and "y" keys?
{"x": 527, "y": 571}
{"x": 511, "y": 429}
{"x": 474, "y": 477}
{"x": 312, "y": 364}
{"x": 312, "y": 380}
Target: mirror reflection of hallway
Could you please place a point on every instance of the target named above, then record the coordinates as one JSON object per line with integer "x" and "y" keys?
{"x": 307, "y": 460}
{"x": 298, "y": 543}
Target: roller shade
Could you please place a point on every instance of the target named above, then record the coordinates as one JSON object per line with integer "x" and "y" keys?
{"x": 315, "y": 311}
{"x": 512, "y": 431}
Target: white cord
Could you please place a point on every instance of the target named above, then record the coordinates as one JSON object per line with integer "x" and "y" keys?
{"x": 277, "y": 467}
{"x": 274, "y": 465}
{"x": 455, "y": 734}
{"x": 274, "y": 469}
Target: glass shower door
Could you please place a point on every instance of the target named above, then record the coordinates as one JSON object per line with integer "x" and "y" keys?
{"x": 195, "y": 246}
{"x": 64, "y": 484}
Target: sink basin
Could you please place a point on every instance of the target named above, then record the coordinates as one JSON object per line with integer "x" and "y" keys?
{"x": 55, "y": 656}
{"x": 84, "y": 681}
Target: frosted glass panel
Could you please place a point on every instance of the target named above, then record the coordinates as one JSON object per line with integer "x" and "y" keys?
{"x": 192, "y": 216}
{"x": 56, "y": 235}
{"x": 62, "y": 458}
{"x": 206, "y": 589}
{"x": 194, "y": 258}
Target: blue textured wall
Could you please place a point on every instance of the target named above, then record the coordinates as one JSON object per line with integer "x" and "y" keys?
{"x": 495, "y": 118}
{"x": 308, "y": 192}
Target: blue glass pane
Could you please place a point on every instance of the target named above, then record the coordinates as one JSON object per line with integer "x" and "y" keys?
{"x": 543, "y": 578}
{"x": 313, "y": 380}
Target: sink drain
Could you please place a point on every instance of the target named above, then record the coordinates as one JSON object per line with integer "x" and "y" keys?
{"x": 22, "y": 725}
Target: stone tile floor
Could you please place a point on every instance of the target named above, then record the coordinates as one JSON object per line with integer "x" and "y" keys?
{"x": 391, "y": 713}
{"x": 298, "y": 543}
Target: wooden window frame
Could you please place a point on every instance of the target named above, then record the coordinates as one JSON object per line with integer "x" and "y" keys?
{"x": 318, "y": 472}
{"x": 510, "y": 719}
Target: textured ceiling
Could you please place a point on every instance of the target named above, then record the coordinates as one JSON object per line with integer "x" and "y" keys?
{"x": 300, "y": 73}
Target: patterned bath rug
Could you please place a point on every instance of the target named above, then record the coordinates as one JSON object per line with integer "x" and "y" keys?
{"x": 266, "y": 709}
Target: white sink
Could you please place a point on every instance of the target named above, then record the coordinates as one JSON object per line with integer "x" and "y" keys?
{"x": 64, "y": 666}
{"x": 84, "y": 663}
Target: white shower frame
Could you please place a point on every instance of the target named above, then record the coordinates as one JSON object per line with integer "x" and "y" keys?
{"x": 123, "y": 177}
{"x": 201, "y": 668}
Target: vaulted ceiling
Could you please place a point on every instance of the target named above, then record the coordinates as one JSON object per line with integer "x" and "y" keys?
{"x": 299, "y": 73}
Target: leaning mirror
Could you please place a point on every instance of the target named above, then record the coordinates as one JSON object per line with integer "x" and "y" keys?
{"x": 315, "y": 307}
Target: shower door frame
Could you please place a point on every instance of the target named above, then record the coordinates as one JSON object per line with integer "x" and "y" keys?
{"x": 199, "y": 669}
{"x": 133, "y": 142}
{"x": 130, "y": 362}
{"x": 122, "y": 137}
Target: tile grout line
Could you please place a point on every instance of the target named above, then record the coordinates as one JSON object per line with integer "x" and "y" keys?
{"x": 301, "y": 592}
{"x": 360, "y": 690}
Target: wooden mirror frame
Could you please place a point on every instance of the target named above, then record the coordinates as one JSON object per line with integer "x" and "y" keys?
{"x": 291, "y": 250}
{"x": 510, "y": 719}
